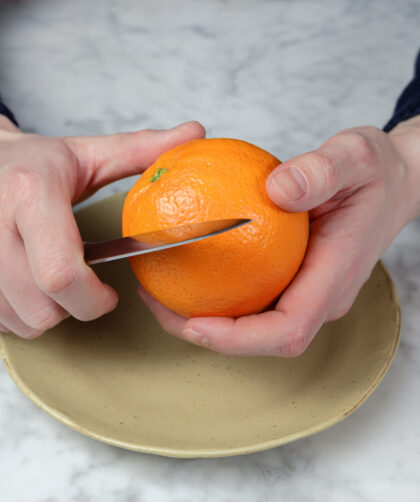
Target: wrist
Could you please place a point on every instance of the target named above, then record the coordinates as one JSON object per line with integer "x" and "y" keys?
{"x": 405, "y": 138}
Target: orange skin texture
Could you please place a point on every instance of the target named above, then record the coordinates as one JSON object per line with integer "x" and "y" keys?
{"x": 233, "y": 274}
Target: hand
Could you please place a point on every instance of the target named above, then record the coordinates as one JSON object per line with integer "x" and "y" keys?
{"x": 43, "y": 276}
{"x": 361, "y": 188}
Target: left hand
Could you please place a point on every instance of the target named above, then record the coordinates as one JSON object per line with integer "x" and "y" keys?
{"x": 43, "y": 275}
{"x": 361, "y": 191}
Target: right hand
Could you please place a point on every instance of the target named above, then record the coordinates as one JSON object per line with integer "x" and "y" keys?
{"x": 361, "y": 188}
{"x": 43, "y": 276}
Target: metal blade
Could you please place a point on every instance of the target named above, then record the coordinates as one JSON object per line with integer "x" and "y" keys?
{"x": 98, "y": 252}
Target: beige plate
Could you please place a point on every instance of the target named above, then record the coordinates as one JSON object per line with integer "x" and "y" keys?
{"x": 124, "y": 381}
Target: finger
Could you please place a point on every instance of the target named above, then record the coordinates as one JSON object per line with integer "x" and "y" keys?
{"x": 12, "y": 322}
{"x": 55, "y": 254}
{"x": 288, "y": 330}
{"x": 342, "y": 164}
{"x": 34, "y": 307}
{"x": 108, "y": 158}
{"x": 272, "y": 333}
{"x": 169, "y": 320}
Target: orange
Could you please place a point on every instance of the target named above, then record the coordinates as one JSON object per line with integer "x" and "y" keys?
{"x": 233, "y": 274}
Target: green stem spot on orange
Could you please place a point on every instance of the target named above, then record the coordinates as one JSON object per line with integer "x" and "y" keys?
{"x": 157, "y": 174}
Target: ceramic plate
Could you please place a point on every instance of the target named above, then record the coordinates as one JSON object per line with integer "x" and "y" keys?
{"x": 122, "y": 380}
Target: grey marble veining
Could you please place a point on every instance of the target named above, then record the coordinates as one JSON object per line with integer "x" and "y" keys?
{"x": 284, "y": 75}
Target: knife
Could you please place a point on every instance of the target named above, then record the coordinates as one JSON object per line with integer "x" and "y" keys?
{"x": 124, "y": 247}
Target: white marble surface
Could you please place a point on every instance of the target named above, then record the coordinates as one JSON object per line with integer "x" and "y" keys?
{"x": 284, "y": 75}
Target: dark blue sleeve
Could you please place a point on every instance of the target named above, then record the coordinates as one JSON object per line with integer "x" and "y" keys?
{"x": 408, "y": 104}
{"x": 5, "y": 111}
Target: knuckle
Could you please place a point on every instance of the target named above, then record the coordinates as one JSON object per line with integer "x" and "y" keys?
{"x": 43, "y": 318}
{"x": 325, "y": 169}
{"x": 21, "y": 188}
{"x": 362, "y": 146}
{"x": 88, "y": 315}
{"x": 30, "y": 333}
{"x": 96, "y": 307}
{"x": 57, "y": 278}
{"x": 293, "y": 349}
{"x": 298, "y": 342}
{"x": 340, "y": 311}
{"x": 26, "y": 181}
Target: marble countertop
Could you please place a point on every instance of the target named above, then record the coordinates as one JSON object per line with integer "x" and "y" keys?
{"x": 284, "y": 75}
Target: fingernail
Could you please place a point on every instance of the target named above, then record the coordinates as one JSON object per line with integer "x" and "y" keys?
{"x": 179, "y": 126}
{"x": 290, "y": 182}
{"x": 175, "y": 127}
{"x": 195, "y": 337}
{"x": 200, "y": 129}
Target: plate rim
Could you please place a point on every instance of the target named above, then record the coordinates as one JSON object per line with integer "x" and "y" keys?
{"x": 214, "y": 452}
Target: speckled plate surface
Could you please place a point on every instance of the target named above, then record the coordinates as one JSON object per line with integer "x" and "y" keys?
{"x": 124, "y": 381}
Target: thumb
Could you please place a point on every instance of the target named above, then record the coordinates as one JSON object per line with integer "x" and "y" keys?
{"x": 309, "y": 180}
{"x": 104, "y": 159}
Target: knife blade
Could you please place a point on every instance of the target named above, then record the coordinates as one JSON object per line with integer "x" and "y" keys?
{"x": 124, "y": 247}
